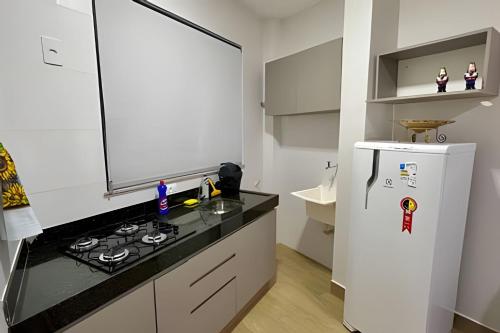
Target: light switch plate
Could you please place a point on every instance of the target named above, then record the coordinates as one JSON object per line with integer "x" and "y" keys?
{"x": 52, "y": 51}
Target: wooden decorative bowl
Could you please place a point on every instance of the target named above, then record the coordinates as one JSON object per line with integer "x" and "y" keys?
{"x": 420, "y": 126}
{"x": 424, "y": 126}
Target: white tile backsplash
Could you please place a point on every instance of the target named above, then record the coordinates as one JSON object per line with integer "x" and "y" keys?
{"x": 82, "y": 6}
{"x": 50, "y": 160}
{"x": 49, "y": 100}
{"x": 56, "y": 206}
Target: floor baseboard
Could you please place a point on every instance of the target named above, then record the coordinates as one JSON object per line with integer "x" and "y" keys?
{"x": 460, "y": 323}
{"x": 337, "y": 290}
{"x": 465, "y": 325}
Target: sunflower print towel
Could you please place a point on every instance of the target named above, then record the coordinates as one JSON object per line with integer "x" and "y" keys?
{"x": 13, "y": 194}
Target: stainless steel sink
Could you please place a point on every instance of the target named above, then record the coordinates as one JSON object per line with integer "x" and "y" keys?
{"x": 220, "y": 206}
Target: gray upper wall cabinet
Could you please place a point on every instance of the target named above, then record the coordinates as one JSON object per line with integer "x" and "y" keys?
{"x": 304, "y": 82}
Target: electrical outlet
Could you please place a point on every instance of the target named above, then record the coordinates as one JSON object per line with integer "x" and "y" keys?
{"x": 52, "y": 51}
{"x": 172, "y": 188}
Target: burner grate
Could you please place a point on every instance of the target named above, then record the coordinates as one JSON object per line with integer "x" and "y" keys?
{"x": 127, "y": 229}
{"x": 109, "y": 250}
{"x": 114, "y": 256}
{"x": 156, "y": 237}
{"x": 84, "y": 244}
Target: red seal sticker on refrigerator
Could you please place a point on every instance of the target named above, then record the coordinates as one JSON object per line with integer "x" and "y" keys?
{"x": 408, "y": 205}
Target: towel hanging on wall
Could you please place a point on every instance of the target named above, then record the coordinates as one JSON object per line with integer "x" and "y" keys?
{"x": 13, "y": 194}
{"x": 17, "y": 219}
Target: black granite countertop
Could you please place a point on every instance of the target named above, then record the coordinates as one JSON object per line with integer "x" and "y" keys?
{"x": 54, "y": 290}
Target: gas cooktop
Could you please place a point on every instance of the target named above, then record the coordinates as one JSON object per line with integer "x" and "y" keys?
{"x": 114, "y": 247}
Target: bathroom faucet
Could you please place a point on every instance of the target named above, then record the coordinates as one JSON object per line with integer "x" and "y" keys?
{"x": 330, "y": 166}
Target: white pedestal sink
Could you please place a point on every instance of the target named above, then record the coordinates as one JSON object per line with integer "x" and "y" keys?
{"x": 320, "y": 203}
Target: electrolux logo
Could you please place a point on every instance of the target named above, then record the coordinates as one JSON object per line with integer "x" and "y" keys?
{"x": 388, "y": 183}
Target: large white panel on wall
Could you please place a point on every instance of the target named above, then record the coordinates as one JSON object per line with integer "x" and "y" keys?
{"x": 172, "y": 94}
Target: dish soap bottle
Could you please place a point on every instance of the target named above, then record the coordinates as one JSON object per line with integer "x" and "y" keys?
{"x": 162, "y": 198}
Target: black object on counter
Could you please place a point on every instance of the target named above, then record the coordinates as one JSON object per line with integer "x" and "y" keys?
{"x": 230, "y": 176}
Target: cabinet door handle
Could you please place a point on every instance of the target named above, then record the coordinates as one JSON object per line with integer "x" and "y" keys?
{"x": 213, "y": 269}
{"x": 212, "y": 295}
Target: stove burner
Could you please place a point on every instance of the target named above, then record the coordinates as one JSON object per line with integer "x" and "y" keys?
{"x": 116, "y": 246}
{"x": 114, "y": 256}
{"x": 127, "y": 229}
{"x": 84, "y": 244}
{"x": 154, "y": 237}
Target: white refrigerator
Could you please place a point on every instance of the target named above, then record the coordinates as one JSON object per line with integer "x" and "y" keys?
{"x": 408, "y": 212}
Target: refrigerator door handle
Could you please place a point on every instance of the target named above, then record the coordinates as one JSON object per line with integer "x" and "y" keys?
{"x": 374, "y": 176}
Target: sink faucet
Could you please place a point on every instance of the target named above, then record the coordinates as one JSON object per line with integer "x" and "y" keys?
{"x": 202, "y": 188}
{"x": 332, "y": 178}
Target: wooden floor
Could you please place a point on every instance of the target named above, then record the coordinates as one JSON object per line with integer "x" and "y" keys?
{"x": 299, "y": 302}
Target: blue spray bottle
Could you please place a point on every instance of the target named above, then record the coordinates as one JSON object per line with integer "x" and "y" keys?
{"x": 162, "y": 198}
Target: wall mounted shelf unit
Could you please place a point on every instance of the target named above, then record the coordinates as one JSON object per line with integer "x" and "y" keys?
{"x": 407, "y": 75}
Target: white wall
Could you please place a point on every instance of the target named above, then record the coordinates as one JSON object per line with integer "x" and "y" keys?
{"x": 313, "y": 26}
{"x": 370, "y": 27}
{"x": 50, "y": 116}
{"x": 296, "y": 148}
{"x": 479, "y": 289}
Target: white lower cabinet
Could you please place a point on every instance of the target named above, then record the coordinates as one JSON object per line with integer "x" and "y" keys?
{"x": 206, "y": 292}
{"x": 200, "y": 296}
{"x": 256, "y": 259}
{"x": 132, "y": 313}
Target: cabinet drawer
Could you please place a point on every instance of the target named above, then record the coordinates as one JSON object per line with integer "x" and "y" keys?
{"x": 215, "y": 312}
{"x": 205, "y": 262}
{"x": 202, "y": 275}
{"x": 181, "y": 293}
{"x": 207, "y": 284}
{"x": 189, "y": 311}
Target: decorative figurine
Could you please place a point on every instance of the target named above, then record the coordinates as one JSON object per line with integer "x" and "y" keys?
{"x": 442, "y": 80}
{"x": 470, "y": 76}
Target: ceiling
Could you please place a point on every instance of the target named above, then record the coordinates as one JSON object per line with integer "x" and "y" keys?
{"x": 272, "y": 9}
